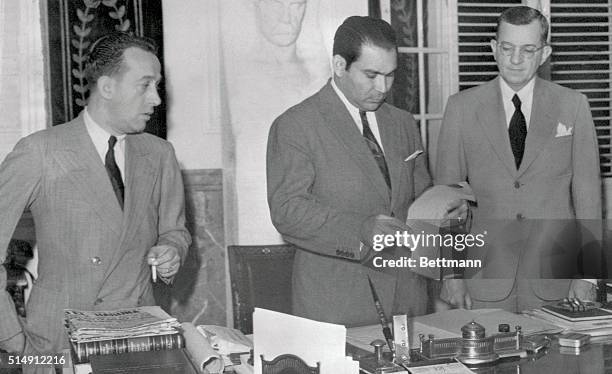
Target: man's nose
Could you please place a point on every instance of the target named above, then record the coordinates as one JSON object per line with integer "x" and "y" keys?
{"x": 154, "y": 98}
{"x": 286, "y": 14}
{"x": 382, "y": 84}
{"x": 517, "y": 56}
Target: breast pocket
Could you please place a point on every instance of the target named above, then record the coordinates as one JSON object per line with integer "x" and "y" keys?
{"x": 556, "y": 158}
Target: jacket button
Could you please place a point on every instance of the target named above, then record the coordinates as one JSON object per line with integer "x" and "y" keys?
{"x": 96, "y": 260}
{"x": 520, "y": 217}
{"x": 98, "y": 301}
{"x": 517, "y": 184}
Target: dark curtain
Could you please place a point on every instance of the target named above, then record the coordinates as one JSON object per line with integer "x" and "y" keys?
{"x": 73, "y": 25}
{"x": 405, "y": 91}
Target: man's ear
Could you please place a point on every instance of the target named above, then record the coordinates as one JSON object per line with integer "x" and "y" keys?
{"x": 106, "y": 86}
{"x": 494, "y": 48}
{"x": 546, "y": 51}
{"x": 339, "y": 65}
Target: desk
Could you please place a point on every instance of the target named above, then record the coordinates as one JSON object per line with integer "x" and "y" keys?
{"x": 594, "y": 359}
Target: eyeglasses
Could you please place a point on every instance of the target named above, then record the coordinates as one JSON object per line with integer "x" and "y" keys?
{"x": 526, "y": 51}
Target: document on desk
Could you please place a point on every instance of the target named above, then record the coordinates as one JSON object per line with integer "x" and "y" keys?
{"x": 275, "y": 334}
{"x": 201, "y": 352}
{"x": 452, "y": 321}
{"x": 452, "y": 368}
{"x": 447, "y": 324}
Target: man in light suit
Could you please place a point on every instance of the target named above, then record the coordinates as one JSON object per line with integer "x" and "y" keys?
{"x": 528, "y": 149}
{"x": 107, "y": 201}
{"x": 343, "y": 166}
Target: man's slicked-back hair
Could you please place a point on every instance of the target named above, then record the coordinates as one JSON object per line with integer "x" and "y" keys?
{"x": 357, "y": 31}
{"x": 524, "y": 15}
{"x": 106, "y": 54}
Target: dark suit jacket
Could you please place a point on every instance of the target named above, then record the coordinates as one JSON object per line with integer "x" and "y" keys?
{"x": 526, "y": 212}
{"x": 323, "y": 183}
{"x": 92, "y": 255}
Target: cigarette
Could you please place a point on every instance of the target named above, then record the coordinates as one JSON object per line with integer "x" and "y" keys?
{"x": 154, "y": 273}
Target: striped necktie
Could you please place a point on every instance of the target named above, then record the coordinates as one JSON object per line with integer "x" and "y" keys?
{"x": 375, "y": 148}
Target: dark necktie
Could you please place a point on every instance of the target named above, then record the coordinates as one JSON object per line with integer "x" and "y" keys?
{"x": 517, "y": 131}
{"x": 379, "y": 156}
{"x": 113, "y": 170}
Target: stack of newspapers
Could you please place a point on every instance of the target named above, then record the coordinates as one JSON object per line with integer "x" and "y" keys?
{"x": 146, "y": 328}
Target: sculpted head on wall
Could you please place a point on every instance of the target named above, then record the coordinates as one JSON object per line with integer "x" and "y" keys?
{"x": 280, "y": 21}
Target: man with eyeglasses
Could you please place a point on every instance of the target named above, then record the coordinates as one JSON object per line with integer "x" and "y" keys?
{"x": 529, "y": 150}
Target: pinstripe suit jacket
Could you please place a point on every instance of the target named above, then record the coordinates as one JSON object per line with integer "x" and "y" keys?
{"x": 323, "y": 183}
{"x": 92, "y": 255}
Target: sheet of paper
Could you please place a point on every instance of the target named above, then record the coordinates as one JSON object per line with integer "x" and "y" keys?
{"x": 452, "y": 368}
{"x": 202, "y": 354}
{"x": 425, "y": 217}
{"x": 362, "y": 336}
{"x": 447, "y": 324}
{"x": 277, "y": 333}
{"x": 432, "y": 204}
{"x": 452, "y": 321}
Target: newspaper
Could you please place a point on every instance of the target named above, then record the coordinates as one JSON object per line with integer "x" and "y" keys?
{"x": 87, "y": 326}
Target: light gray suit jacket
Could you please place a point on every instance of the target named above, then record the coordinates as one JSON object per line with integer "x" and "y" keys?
{"x": 525, "y": 212}
{"x": 92, "y": 255}
{"x": 323, "y": 183}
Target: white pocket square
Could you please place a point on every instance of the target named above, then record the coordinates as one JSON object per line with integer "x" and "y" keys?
{"x": 414, "y": 155}
{"x": 563, "y": 130}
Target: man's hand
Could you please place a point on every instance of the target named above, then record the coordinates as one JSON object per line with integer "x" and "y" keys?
{"x": 16, "y": 344}
{"x": 582, "y": 290}
{"x": 457, "y": 210}
{"x": 454, "y": 292}
{"x": 166, "y": 258}
{"x": 380, "y": 225}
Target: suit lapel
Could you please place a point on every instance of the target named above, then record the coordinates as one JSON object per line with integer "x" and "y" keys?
{"x": 391, "y": 137}
{"x": 541, "y": 124}
{"x": 85, "y": 169}
{"x": 139, "y": 180}
{"x": 492, "y": 119}
{"x": 340, "y": 122}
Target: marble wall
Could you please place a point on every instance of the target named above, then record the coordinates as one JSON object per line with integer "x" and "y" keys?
{"x": 198, "y": 293}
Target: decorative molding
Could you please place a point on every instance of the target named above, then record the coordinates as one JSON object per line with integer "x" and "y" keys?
{"x": 203, "y": 179}
{"x": 199, "y": 291}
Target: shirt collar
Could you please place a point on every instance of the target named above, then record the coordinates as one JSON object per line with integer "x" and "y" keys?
{"x": 96, "y": 131}
{"x": 525, "y": 93}
{"x": 351, "y": 108}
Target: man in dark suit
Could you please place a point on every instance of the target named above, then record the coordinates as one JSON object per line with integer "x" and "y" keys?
{"x": 107, "y": 201}
{"x": 528, "y": 149}
{"x": 343, "y": 166}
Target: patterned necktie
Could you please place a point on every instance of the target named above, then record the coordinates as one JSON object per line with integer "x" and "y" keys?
{"x": 113, "y": 170}
{"x": 517, "y": 131}
{"x": 379, "y": 156}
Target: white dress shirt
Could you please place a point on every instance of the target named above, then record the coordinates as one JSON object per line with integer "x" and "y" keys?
{"x": 100, "y": 137}
{"x": 526, "y": 96}
{"x": 354, "y": 111}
